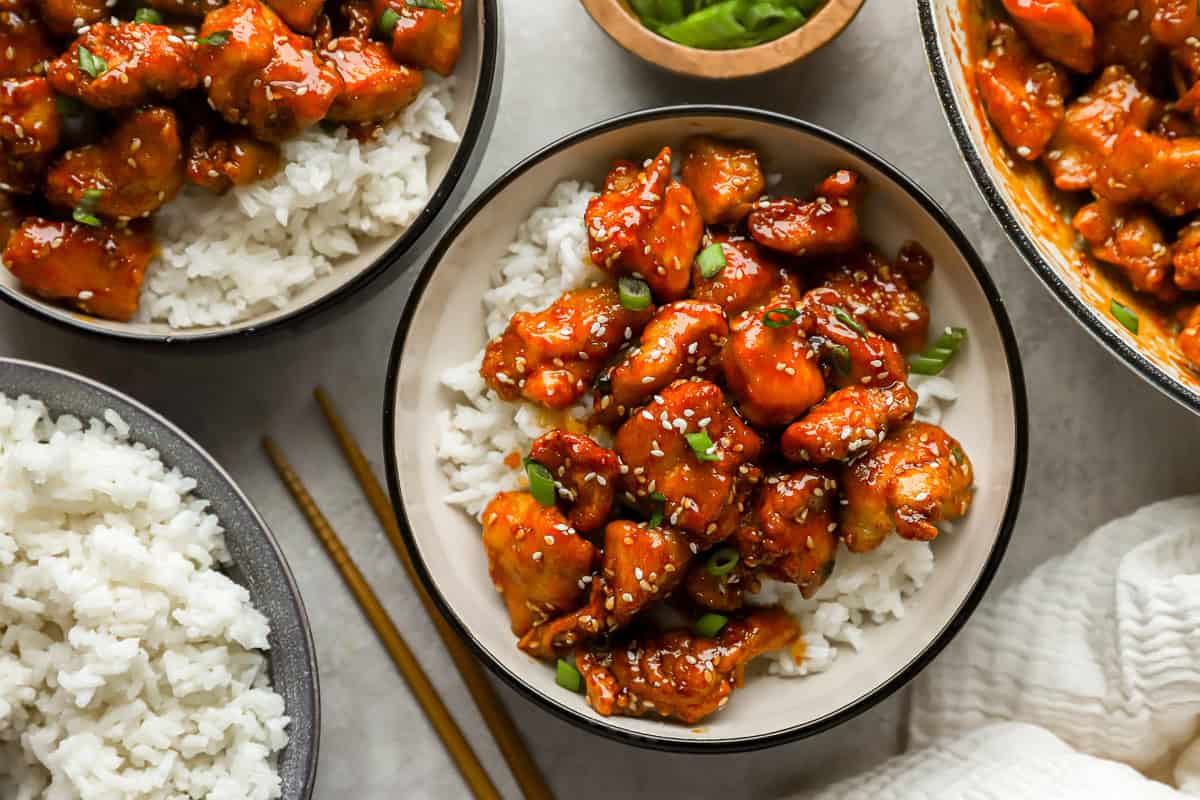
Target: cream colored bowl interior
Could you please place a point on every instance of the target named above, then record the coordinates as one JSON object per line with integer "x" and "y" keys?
{"x": 446, "y": 329}
{"x": 468, "y": 76}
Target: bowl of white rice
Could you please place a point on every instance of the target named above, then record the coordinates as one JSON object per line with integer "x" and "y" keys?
{"x": 153, "y": 643}
{"x": 880, "y": 617}
{"x": 339, "y": 216}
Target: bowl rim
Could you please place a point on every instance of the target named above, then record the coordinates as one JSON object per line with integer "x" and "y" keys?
{"x": 308, "y": 777}
{"x": 1020, "y": 438}
{"x": 1133, "y": 358}
{"x": 478, "y": 123}
{"x": 628, "y": 31}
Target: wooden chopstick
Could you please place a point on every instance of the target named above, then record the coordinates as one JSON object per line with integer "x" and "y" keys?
{"x": 508, "y": 738}
{"x": 439, "y": 716}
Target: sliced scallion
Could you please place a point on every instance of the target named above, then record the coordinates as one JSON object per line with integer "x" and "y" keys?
{"x": 567, "y": 676}
{"x": 722, "y": 561}
{"x": 85, "y": 209}
{"x": 216, "y": 38}
{"x": 711, "y": 261}
{"x": 839, "y": 356}
{"x": 935, "y": 359}
{"x": 843, "y": 316}
{"x": 90, "y": 63}
{"x": 1125, "y": 315}
{"x": 148, "y": 16}
{"x": 709, "y": 625}
{"x": 432, "y": 5}
{"x": 780, "y": 317}
{"x": 387, "y": 21}
{"x": 634, "y": 293}
{"x": 702, "y": 445}
{"x": 541, "y": 482}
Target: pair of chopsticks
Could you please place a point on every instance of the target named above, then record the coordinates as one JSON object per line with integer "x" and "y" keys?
{"x": 508, "y": 739}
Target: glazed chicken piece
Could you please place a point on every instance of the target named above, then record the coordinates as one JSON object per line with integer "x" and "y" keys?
{"x": 848, "y": 423}
{"x": 1058, "y": 29}
{"x": 771, "y": 368}
{"x": 698, "y": 482}
{"x": 135, "y": 171}
{"x": 679, "y": 675}
{"x": 429, "y": 38}
{"x": 186, "y": 8}
{"x": 1144, "y": 168}
{"x": 1123, "y": 35}
{"x": 1131, "y": 240}
{"x": 750, "y": 278}
{"x": 129, "y": 64}
{"x": 1185, "y": 257}
{"x": 793, "y": 529}
{"x": 536, "y": 560}
{"x": 300, "y": 15}
{"x": 641, "y": 566}
{"x": 1023, "y": 96}
{"x": 64, "y": 17}
{"x": 860, "y": 357}
{"x": 1172, "y": 21}
{"x": 263, "y": 75}
{"x": 725, "y": 178}
{"x": 376, "y": 87}
{"x": 30, "y": 130}
{"x": 218, "y": 159}
{"x": 646, "y": 224}
{"x": 881, "y": 295}
{"x": 1089, "y": 131}
{"x": 723, "y": 593}
{"x": 684, "y": 339}
{"x": 358, "y": 17}
{"x": 97, "y": 270}
{"x": 1189, "y": 336}
{"x": 552, "y": 357}
{"x": 586, "y": 473}
{"x": 827, "y": 224}
{"x": 918, "y": 476}
{"x": 25, "y": 44}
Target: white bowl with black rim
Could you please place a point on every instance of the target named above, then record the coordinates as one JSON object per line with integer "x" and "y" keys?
{"x": 441, "y": 326}
{"x": 379, "y": 260}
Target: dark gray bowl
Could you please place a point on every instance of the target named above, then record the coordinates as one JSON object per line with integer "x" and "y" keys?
{"x": 258, "y": 563}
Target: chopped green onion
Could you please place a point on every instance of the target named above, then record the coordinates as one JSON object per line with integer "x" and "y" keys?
{"x": 433, "y": 5}
{"x": 1125, "y": 315}
{"x": 91, "y": 63}
{"x": 780, "y": 317}
{"x": 567, "y": 676}
{"x": 656, "y": 519}
{"x": 702, "y": 446}
{"x": 635, "y": 293}
{"x": 541, "y": 482}
{"x": 722, "y": 561}
{"x": 148, "y": 16}
{"x": 66, "y": 105}
{"x": 709, "y": 625}
{"x": 935, "y": 359}
{"x": 711, "y": 261}
{"x": 387, "y": 21}
{"x": 844, "y": 317}
{"x": 216, "y": 39}
{"x": 839, "y": 354}
{"x": 85, "y": 209}
{"x": 958, "y": 455}
{"x": 659, "y": 496}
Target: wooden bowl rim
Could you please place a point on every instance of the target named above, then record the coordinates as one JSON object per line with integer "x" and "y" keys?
{"x": 620, "y": 22}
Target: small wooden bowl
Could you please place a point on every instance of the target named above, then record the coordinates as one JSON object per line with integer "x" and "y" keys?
{"x": 621, "y": 23}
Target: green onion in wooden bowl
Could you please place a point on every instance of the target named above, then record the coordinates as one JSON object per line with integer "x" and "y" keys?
{"x": 723, "y": 24}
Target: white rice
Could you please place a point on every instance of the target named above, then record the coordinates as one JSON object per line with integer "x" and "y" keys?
{"x": 548, "y": 257}
{"x": 226, "y": 258}
{"x": 130, "y": 668}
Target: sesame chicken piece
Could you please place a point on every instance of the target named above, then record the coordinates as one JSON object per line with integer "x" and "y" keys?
{"x": 428, "y": 38}
{"x": 1093, "y": 121}
{"x": 300, "y": 15}
{"x": 359, "y": 18}
{"x": 136, "y": 170}
{"x": 1058, "y": 29}
{"x": 1172, "y": 21}
{"x": 536, "y": 560}
{"x": 860, "y": 356}
{"x": 723, "y": 593}
{"x": 881, "y": 294}
{"x": 916, "y": 477}
{"x": 186, "y": 8}
{"x": 131, "y": 63}
{"x": 218, "y": 159}
{"x": 698, "y": 486}
{"x": 827, "y": 224}
{"x": 750, "y": 278}
{"x": 586, "y": 473}
{"x": 646, "y": 224}
{"x": 848, "y": 423}
{"x": 792, "y": 533}
{"x": 376, "y": 87}
{"x": 64, "y": 17}
{"x": 1185, "y": 257}
{"x": 642, "y": 565}
{"x": 25, "y": 44}
{"x": 97, "y": 270}
{"x": 771, "y": 368}
{"x": 1189, "y": 336}
{"x": 30, "y": 130}
{"x": 725, "y": 179}
{"x": 1131, "y": 240}
{"x": 1124, "y": 36}
{"x": 684, "y": 339}
{"x": 264, "y": 75}
{"x": 677, "y": 674}
{"x": 1023, "y": 96}
{"x": 1145, "y": 168}
{"x": 551, "y": 357}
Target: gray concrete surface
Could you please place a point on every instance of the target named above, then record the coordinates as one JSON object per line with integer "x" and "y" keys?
{"x": 1103, "y": 442}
